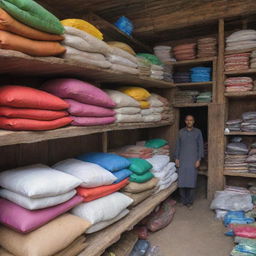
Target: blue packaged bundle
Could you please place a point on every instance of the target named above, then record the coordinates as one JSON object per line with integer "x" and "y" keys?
{"x": 125, "y": 25}
{"x": 122, "y": 174}
{"x": 111, "y": 162}
{"x": 237, "y": 217}
{"x": 200, "y": 74}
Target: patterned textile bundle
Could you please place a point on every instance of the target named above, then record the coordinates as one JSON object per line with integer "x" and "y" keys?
{"x": 206, "y": 47}
{"x": 236, "y": 62}
{"x": 238, "y": 84}
{"x": 185, "y": 51}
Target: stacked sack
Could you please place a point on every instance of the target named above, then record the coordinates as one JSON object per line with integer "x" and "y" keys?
{"x": 204, "y": 97}
{"x": 241, "y": 40}
{"x": 253, "y": 59}
{"x": 234, "y": 125}
{"x": 163, "y": 170}
{"x": 159, "y": 146}
{"x": 29, "y": 28}
{"x": 185, "y": 51}
{"x": 237, "y": 62}
{"x": 163, "y": 52}
{"x": 88, "y": 105}
{"x": 83, "y": 43}
{"x": 33, "y": 212}
{"x": 235, "y": 157}
{"x": 238, "y": 84}
{"x": 181, "y": 77}
{"x": 249, "y": 122}
{"x": 185, "y": 96}
{"x": 144, "y": 66}
{"x": 122, "y": 57}
{"x": 206, "y": 47}
{"x": 200, "y": 74}
{"x": 103, "y": 205}
{"x": 25, "y": 108}
{"x": 127, "y": 109}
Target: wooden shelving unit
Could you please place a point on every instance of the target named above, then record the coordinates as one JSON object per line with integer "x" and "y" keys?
{"x": 100, "y": 241}
{"x": 241, "y": 72}
{"x": 187, "y": 105}
{"x": 241, "y": 174}
{"x": 194, "y": 85}
{"x": 239, "y": 51}
{"x": 240, "y": 94}
{"x": 240, "y": 133}
{"x": 192, "y": 62}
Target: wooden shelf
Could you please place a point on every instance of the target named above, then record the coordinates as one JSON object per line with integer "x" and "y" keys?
{"x": 240, "y": 94}
{"x": 194, "y": 84}
{"x": 203, "y": 173}
{"x": 241, "y": 72}
{"x": 240, "y": 133}
{"x": 18, "y": 137}
{"x": 192, "y": 62}
{"x": 186, "y": 105}
{"x": 241, "y": 174}
{"x": 16, "y": 63}
{"x": 239, "y": 51}
{"x": 100, "y": 241}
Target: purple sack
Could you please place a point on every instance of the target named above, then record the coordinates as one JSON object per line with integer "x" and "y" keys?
{"x": 24, "y": 221}
{"x": 91, "y": 121}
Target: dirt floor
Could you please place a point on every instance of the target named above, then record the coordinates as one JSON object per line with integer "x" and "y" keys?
{"x": 193, "y": 233}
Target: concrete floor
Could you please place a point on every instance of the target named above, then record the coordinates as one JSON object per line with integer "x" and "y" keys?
{"x": 193, "y": 233}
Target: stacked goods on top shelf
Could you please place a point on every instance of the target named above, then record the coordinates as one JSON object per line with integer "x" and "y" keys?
{"x": 206, "y": 47}
{"x": 241, "y": 40}
{"x": 237, "y": 62}
{"x": 238, "y": 84}
{"x": 185, "y": 51}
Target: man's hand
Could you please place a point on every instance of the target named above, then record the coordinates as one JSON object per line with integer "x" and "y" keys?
{"x": 197, "y": 164}
{"x": 177, "y": 163}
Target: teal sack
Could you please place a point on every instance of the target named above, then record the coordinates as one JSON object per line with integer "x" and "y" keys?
{"x": 141, "y": 178}
{"x": 156, "y": 143}
{"x": 33, "y": 15}
{"x": 139, "y": 166}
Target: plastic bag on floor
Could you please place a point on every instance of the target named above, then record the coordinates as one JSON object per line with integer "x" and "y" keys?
{"x": 237, "y": 217}
{"x": 220, "y": 214}
{"x": 248, "y": 246}
{"x": 140, "y": 248}
{"x": 248, "y": 231}
{"x": 153, "y": 251}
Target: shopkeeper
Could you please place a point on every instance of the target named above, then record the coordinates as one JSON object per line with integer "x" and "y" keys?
{"x": 188, "y": 154}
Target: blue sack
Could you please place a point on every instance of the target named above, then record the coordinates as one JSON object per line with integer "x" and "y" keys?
{"x": 111, "y": 162}
{"x": 125, "y": 25}
{"x": 122, "y": 174}
{"x": 237, "y": 217}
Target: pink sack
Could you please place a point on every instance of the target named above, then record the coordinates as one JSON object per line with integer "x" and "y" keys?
{"x": 248, "y": 231}
{"x": 68, "y": 88}
{"x": 90, "y": 121}
{"x": 80, "y": 109}
{"x": 23, "y": 220}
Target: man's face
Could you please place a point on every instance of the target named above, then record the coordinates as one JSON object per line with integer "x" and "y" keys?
{"x": 189, "y": 121}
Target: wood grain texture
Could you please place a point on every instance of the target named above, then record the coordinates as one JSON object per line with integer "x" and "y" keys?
{"x": 237, "y": 174}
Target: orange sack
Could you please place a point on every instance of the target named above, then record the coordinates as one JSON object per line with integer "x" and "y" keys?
{"x": 35, "y": 114}
{"x": 18, "y": 124}
{"x": 9, "y": 41}
{"x": 8, "y": 23}
{"x": 90, "y": 194}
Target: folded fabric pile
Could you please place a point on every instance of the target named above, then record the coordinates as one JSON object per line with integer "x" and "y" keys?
{"x": 181, "y": 77}
{"x": 122, "y": 59}
{"x": 234, "y": 125}
{"x": 238, "y": 84}
{"x": 103, "y": 205}
{"x": 204, "y": 97}
{"x": 127, "y": 109}
{"x": 251, "y": 159}
{"x": 168, "y": 70}
{"x": 253, "y": 59}
{"x": 88, "y": 105}
{"x": 25, "y": 108}
{"x": 206, "y": 47}
{"x": 82, "y": 45}
{"x": 200, "y": 74}
{"x": 29, "y": 28}
{"x": 159, "y": 146}
{"x": 164, "y": 53}
{"x": 185, "y": 96}
{"x": 235, "y": 157}
{"x": 144, "y": 66}
{"x": 241, "y": 40}
{"x": 249, "y": 122}
{"x": 185, "y": 51}
{"x": 236, "y": 62}
{"x": 164, "y": 170}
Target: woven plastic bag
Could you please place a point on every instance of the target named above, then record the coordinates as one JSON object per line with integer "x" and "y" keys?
{"x": 140, "y": 248}
{"x": 156, "y": 143}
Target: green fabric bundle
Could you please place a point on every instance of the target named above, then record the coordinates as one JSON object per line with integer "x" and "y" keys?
{"x": 152, "y": 58}
{"x": 33, "y": 15}
{"x": 204, "y": 97}
{"x": 141, "y": 178}
{"x": 156, "y": 143}
{"x": 139, "y": 166}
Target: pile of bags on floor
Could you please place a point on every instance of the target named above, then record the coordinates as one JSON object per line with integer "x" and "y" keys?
{"x": 185, "y": 51}
{"x": 206, "y": 47}
{"x": 253, "y": 59}
{"x": 204, "y": 97}
{"x": 200, "y": 74}
{"x": 181, "y": 77}
{"x": 26, "y": 108}
{"x": 186, "y": 96}
{"x": 241, "y": 40}
{"x": 238, "y": 84}
{"x": 237, "y": 62}
{"x": 29, "y": 28}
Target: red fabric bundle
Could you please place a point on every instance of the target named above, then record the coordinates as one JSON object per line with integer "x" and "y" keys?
{"x": 18, "y": 124}
{"x": 248, "y": 231}
{"x": 35, "y": 114}
{"x": 90, "y": 194}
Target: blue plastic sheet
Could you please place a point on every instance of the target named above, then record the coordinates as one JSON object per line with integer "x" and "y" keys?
{"x": 125, "y": 25}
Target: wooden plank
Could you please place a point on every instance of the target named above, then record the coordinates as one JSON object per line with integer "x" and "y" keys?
{"x": 101, "y": 240}
{"x": 16, "y": 63}
{"x": 237, "y": 174}
{"x": 194, "y": 84}
{"x": 240, "y": 133}
{"x": 12, "y": 137}
{"x": 240, "y": 94}
{"x": 241, "y": 72}
{"x": 192, "y": 62}
{"x": 187, "y": 105}
{"x": 239, "y": 51}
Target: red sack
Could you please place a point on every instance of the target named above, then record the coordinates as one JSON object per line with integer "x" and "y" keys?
{"x": 27, "y": 97}
{"x": 248, "y": 231}
{"x": 90, "y": 194}
{"x": 35, "y": 114}
{"x": 18, "y": 124}
{"x": 142, "y": 232}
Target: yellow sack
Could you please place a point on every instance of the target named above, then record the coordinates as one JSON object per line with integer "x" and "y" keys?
{"x": 83, "y": 25}
{"x": 137, "y": 93}
{"x": 122, "y": 46}
{"x": 144, "y": 104}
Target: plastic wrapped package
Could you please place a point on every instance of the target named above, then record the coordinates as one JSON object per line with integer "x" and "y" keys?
{"x": 247, "y": 246}
{"x": 153, "y": 251}
{"x": 125, "y": 25}
{"x": 220, "y": 214}
{"x": 237, "y": 217}
{"x": 140, "y": 248}
{"x": 247, "y": 231}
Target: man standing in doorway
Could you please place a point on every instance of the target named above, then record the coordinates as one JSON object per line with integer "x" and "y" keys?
{"x": 188, "y": 154}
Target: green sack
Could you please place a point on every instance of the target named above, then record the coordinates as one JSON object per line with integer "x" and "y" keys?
{"x": 139, "y": 166}
{"x": 33, "y": 15}
{"x": 141, "y": 178}
{"x": 156, "y": 143}
{"x": 150, "y": 57}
